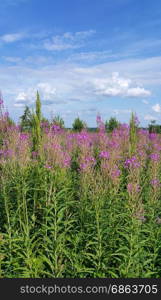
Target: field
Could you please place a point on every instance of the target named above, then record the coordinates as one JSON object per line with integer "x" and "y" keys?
{"x": 80, "y": 204}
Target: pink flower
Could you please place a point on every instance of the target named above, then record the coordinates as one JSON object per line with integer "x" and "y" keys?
{"x": 104, "y": 154}
{"x": 67, "y": 160}
{"x": 155, "y": 182}
{"x": 89, "y": 161}
{"x": 23, "y": 136}
{"x": 155, "y": 156}
{"x": 115, "y": 173}
{"x": 132, "y": 162}
{"x": 48, "y": 167}
{"x": 152, "y": 136}
{"x": 131, "y": 187}
{"x": 34, "y": 154}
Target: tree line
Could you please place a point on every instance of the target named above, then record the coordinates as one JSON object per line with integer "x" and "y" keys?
{"x": 31, "y": 121}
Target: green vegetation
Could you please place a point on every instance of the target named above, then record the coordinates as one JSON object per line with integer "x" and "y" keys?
{"x": 26, "y": 120}
{"x": 78, "y": 125}
{"x": 79, "y": 204}
{"x": 111, "y": 124}
{"x": 57, "y": 120}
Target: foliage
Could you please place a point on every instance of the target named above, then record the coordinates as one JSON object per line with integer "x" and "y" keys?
{"x": 111, "y": 124}
{"x": 26, "y": 120}
{"x": 78, "y": 124}
{"x": 153, "y": 127}
{"x": 57, "y": 120}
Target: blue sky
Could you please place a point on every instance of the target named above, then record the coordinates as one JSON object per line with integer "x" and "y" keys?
{"x": 85, "y": 57}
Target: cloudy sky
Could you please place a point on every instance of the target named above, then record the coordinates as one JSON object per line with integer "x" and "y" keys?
{"x": 83, "y": 56}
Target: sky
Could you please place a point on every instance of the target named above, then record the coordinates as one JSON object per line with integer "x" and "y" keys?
{"x": 85, "y": 57}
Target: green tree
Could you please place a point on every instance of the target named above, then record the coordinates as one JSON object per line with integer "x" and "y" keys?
{"x": 26, "y": 120}
{"x": 154, "y": 128}
{"x": 111, "y": 124}
{"x": 78, "y": 125}
{"x": 57, "y": 120}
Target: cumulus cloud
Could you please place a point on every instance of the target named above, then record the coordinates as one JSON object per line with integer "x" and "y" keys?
{"x": 69, "y": 85}
{"x": 68, "y": 40}
{"x": 47, "y": 93}
{"x": 11, "y": 37}
{"x": 156, "y": 108}
{"x": 118, "y": 86}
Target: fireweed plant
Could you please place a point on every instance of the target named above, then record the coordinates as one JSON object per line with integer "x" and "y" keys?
{"x": 79, "y": 204}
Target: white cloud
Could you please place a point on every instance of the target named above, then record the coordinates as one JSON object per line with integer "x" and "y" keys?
{"x": 67, "y": 40}
{"x": 12, "y": 59}
{"x": 47, "y": 90}
{"x": 156, "y": 108}
{"x": 47, "y": 93}
{"x": 93, "y": 56}
{"x": 118, "y": 86}
{"x": 70, "y": 81}
{"x": 21, "y": 97}
{"x": 150, "y": 118}
{"x": 11, "y": 37}
{"x": 121, "y": 111}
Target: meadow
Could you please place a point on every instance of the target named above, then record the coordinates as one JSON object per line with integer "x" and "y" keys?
{"x": 79, "y": 204}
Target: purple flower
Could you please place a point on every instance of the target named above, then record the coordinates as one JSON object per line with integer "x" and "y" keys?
{"x": 100, "y": 124}
{"x": 152, "y": 136}
{"x": 48, "y": 167}
{"x": 155, "y": 182}
{"x": 90, "y": 159}
{"x": 113, "y": 144}
{"x": 115, "y": 173}
{"x": 133, "y": 188}
{"x": 23, "y": 136}
{"x": 1, "y": 152}
{"x": 56, "y": 128}
{"x": 67, "y": 160}
{"x": 129, "y": 187}
{"x": 56, "y": 146}
{"x": 132, "y": 162}
{"x": 83, "y": 166}
{"x": 44, "y": 124}
{"x": 143, "y": 132}
{"x": 88, "y": 162}
{"x": 136, "y": 120}
{"x": 124, "y": 126}
{"x": 157, "y": 147}
{"x": 104, "y": 154}
{"x": 34, "y": 154}
{"x": 155, "y": 156}
{"x": 6, "y": 114}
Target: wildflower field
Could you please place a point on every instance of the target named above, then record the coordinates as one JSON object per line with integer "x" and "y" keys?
{"x": 79, "y": 204}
